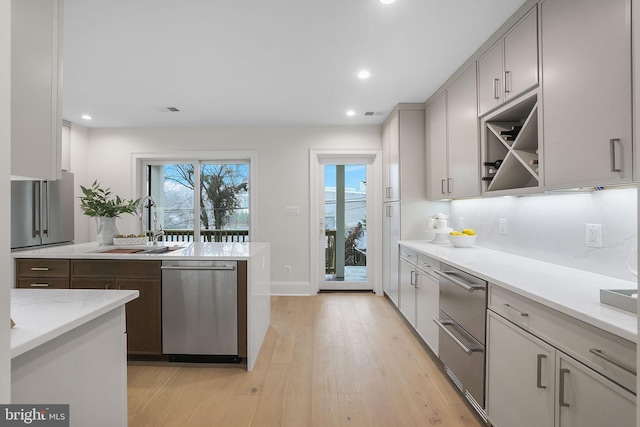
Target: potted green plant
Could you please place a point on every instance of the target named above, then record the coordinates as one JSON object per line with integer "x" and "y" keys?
{"x": 97, "y": 202}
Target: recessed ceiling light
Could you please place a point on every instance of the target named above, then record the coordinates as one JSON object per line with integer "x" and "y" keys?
{"x": 364, "y": 74}
{"x": 387, "y": 1}
{"x": 351, "y": 113}
{"x": 86, "y": 117}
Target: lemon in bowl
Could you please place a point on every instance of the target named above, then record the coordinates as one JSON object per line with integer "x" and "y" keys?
{"x": 464, "y": 239}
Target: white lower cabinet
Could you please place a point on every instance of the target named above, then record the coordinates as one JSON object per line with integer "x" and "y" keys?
{"x": 587, "y": 399}
{"x": 419, "y": 294}
{"x": 408, "y": 290}
{"x": 390, "y": 249}
{"x": 532, "y": 384}
{"x": 427, "y": 303}
{"x": 520, "y": 375}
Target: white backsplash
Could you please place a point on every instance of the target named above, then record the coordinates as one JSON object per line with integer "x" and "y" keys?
{"x": 552, "y": 227}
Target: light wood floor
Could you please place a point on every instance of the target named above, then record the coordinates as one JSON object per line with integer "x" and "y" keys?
{"x": 327, "y": 360}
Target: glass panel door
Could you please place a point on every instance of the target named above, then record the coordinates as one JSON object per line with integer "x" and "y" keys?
{"x": 345, "y": 219}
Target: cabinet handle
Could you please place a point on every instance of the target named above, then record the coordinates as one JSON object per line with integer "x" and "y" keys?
{"x": 469, "y": 350}
{"x": 507, "y": 82}
{"x": 561, "y": 401}
{"x": 616, "y": 166}
{"x": 389, "y": 211}
{"x": 467, "y": 287}
{"x": 611, "y": 360}
{"x": 449, "y": 185}
{"x": 389, "y": 192}
{"x": 45, "y": 206}
{"x": 444, "y": 191}
{"x": 416, "y": 284}
{"x": 413, "y": 278}
{"x": 496, "y": 84}
{"x": 39, "y": 285}
{"x": 539, "y": 376}
{"x": 513, "y": 310}
{"x": 39, "y": 268}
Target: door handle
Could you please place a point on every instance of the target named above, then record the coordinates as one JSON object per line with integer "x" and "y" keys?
{"x": 507, "y": 83}
{"x": 467, "y": 287}
{"x": 541, "y": 357}
{"x": 513, "y": 310}
{"x": 467, "y": 349}
{"x": 611, "y": 360}
{"x": 561, "y": 402}
{"x": 45, "y": 206}
{"x": 177, "y": 267}
{"x": 616, "y": 155}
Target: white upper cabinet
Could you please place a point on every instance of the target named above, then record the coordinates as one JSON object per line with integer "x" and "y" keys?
{"x": 452, "y": 141}
{"x": 510, "y": 67}
{"x": 463, "y": 137}
{"x": 36, "y": 108}
{"x": 391, "y": 159}
{"x": 403, "y": 154}
{"x": 586, "y": 87}
{"x": 436, "y": 136}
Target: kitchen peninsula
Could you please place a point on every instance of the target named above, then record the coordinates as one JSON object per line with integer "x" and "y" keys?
{"x": 69, "y": 347}
{"x": 89, "y": 265}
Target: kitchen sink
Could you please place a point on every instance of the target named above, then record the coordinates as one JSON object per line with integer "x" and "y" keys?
{"x": 141, "y": 250}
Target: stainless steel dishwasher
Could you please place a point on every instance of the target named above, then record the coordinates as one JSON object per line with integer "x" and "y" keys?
{"x": 200, "y": 311}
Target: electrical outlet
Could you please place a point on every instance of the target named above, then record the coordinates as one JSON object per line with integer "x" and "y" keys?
{"x": 287, "y": 269}
{"x": 594, "y": 235}
{"x": 291, "y": 210}
{"x": 502, "y": 226}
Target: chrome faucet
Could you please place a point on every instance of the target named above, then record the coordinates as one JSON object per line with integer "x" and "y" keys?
{"x": 157, "y": 232}
{"x": 148, "y": 202}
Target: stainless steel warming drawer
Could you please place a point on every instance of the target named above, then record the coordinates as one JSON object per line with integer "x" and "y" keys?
{"x": 462, "y": 323}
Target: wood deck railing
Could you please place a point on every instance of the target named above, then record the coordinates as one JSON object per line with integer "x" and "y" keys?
{"x": 360, "y": 258}
{"x": 186, "y": 235}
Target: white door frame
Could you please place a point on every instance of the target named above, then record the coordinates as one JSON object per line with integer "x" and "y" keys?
{"x": 317, "y": 159}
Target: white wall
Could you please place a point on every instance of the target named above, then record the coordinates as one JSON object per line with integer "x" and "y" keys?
{"x": 552, "y": 227}
{"x": 5, "y": 197}
{"x": 80, "y": 169}
{"x": 283, "y": 175}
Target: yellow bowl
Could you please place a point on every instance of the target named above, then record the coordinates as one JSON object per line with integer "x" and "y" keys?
{"x": 462, "y": 241}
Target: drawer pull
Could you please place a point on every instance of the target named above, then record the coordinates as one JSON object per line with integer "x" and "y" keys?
{"x": 539, "y": 376}
{"x": 466, "y": 286}
{"x": 469, "y": 350}
{"x": 513, "y": 310}
{"x": 561, "y": 402}
{"x": 39, "y": 268}
{"x": 39, "y": 285}
{"x": 611, "y": 360}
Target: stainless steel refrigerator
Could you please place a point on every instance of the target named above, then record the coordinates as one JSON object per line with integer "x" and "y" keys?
{"x": 42, "y": 212}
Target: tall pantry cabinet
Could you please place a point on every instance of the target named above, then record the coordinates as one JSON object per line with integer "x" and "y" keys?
{"x": 36, "y": 88}
{"x": 404, "y": 193}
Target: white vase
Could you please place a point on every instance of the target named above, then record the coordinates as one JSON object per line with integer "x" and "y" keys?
{"x": 107, "y": 230}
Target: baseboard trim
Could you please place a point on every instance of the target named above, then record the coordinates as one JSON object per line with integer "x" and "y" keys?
{"x": 291, "y": 288}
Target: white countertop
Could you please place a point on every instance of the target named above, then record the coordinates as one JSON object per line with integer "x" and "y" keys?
{"x": 183, "y": 250}
{"x": 573, "y": 292}
{"x": 44, "y": 314}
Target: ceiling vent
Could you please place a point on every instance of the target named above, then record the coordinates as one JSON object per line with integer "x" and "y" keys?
{"x": 372, "y": 113}
{"x": 172, "y": 109}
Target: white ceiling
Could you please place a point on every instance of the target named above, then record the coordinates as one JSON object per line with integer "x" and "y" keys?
{"x": 263, "y": 62}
